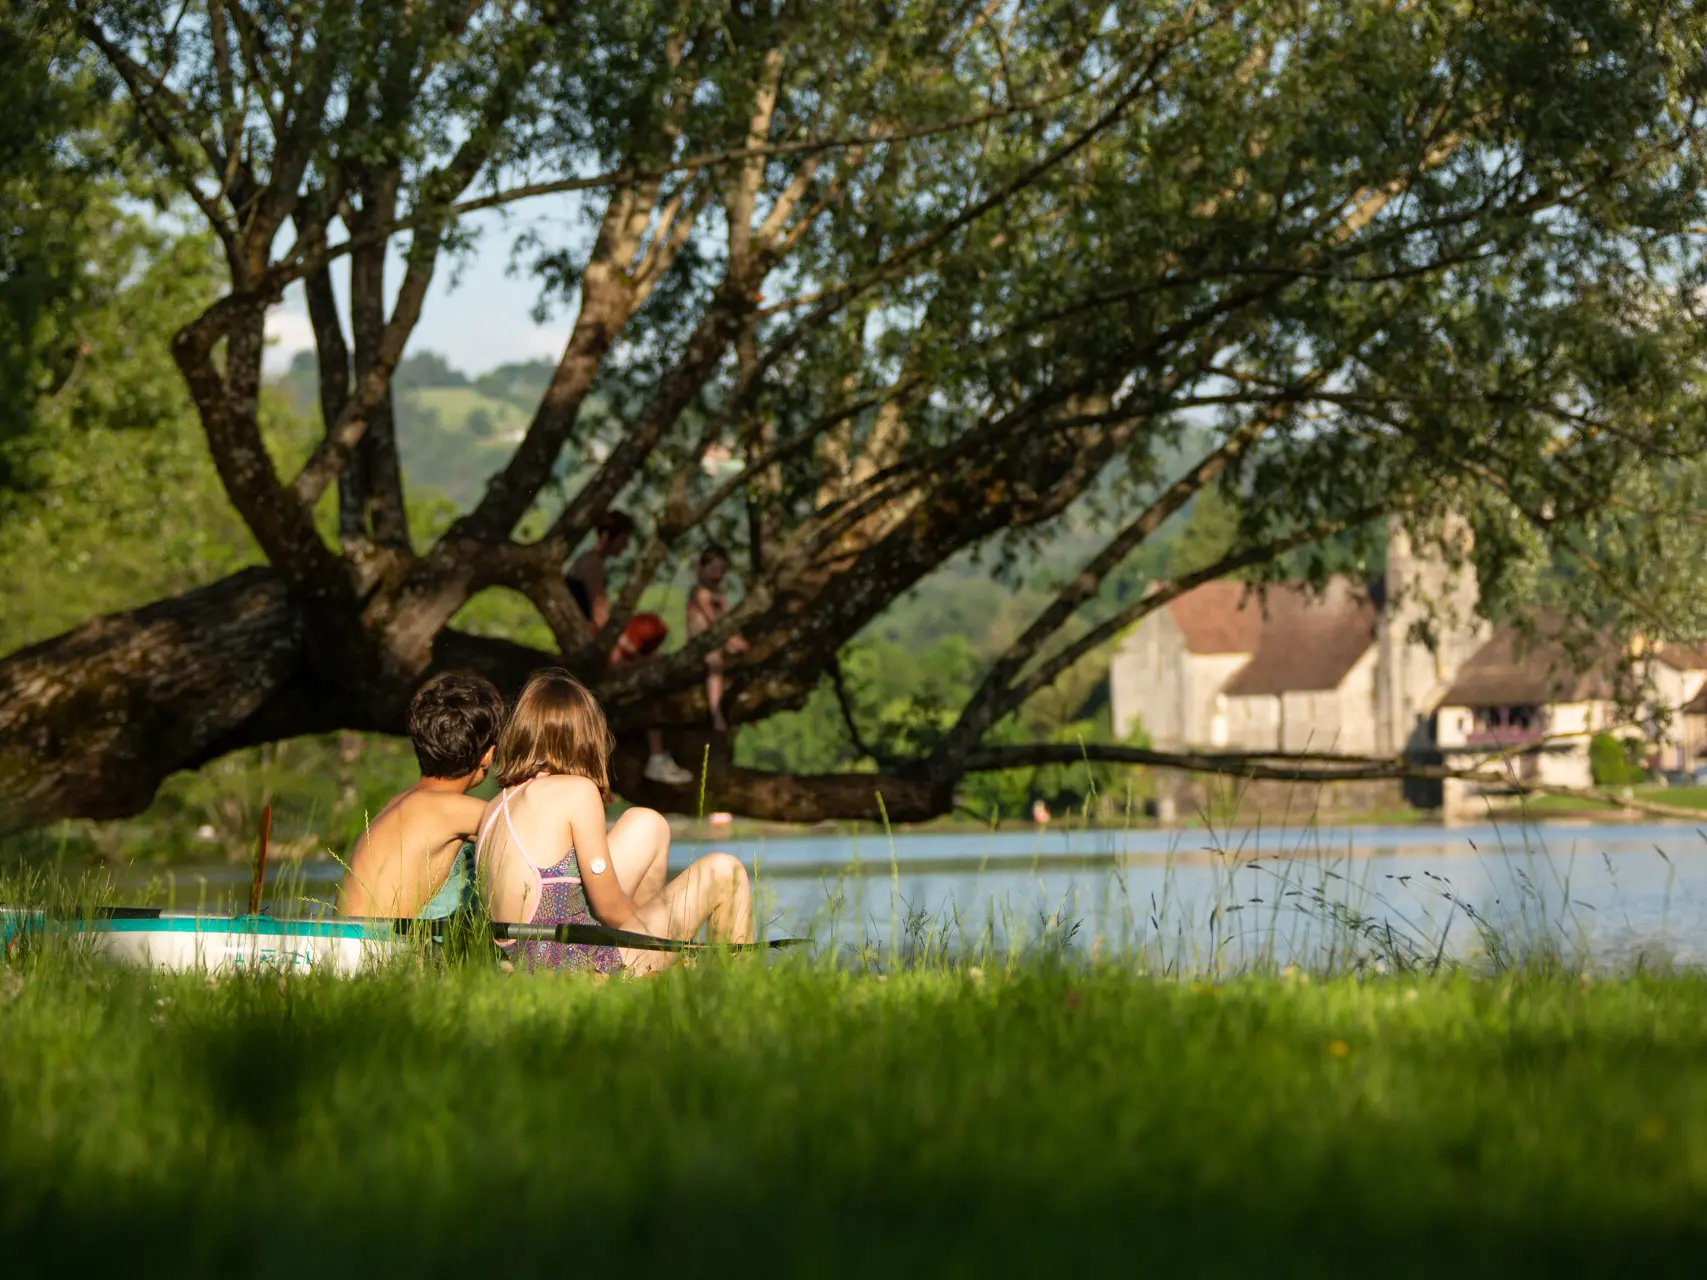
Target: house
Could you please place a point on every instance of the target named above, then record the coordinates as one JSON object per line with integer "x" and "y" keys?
{"x": 1310, "y": 683}
{"x": 1170, "y": 670}
{"x": 1401, "y": 666}
{"x": 1532, "y": 703}
{"x": 1355, "y": 668}
{"x": 1691, "y": 726}
{"x": 1677, "y": 679}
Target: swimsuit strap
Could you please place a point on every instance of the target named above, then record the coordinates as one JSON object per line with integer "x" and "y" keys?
{"x": 509, "y": 824}
{"x": 530, "y": 897}
{"x": 486, "y": 823}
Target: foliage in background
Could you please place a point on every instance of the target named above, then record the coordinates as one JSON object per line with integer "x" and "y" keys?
{"x": 95, "y": 271}
{"x": 936, "y": 279}
{"x": 1615, "y": 761}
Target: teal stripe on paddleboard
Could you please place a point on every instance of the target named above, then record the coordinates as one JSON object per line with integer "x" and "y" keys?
{"x": 247, "y": 926}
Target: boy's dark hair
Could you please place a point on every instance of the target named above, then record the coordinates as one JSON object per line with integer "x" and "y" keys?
{"x": 713, "y": 551}
{"x": 615, "y": 523}
{"x": 453, "y": 719}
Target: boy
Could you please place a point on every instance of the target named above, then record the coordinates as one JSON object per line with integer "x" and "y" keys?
{"x": 643, "y": 634}
{"x": 410, "y": 861}
{"x": 706, "y": 604}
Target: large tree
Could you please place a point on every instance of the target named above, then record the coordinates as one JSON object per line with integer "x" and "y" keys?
{"x": 937, "y": 273}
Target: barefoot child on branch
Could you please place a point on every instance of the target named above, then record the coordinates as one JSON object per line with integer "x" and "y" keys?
{"x": 588, "y": 583}
{"x": 706, "y": 604}
{"x": 411, "y": 860}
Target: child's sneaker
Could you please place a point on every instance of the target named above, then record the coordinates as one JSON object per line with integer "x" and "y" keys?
{"x": 663, "y": 769}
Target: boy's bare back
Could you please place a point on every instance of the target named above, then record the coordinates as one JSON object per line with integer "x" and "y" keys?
{"x": 406, "y": 853}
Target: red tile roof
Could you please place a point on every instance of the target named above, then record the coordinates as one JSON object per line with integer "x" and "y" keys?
{"x": 1218, "y": 618}
{"x": 1309, "y": 641}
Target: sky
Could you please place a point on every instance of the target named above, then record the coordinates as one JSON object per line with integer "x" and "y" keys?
{"x": 477, "y": 316}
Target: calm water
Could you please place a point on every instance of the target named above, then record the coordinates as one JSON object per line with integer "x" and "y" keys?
{"x": 1197, "y": 899}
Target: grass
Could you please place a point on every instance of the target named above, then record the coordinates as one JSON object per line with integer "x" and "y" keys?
{"x": 1681, "y": 797}
{"x": 812, "y": 1120}
{"x": 943, "y": 1109}
{"x": 1558, "y": 806}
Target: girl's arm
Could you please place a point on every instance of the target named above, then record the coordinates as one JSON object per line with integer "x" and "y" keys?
{"x": 585, "y": 809}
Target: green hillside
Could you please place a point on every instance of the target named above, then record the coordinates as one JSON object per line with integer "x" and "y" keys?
{"x": 453, "y": 432}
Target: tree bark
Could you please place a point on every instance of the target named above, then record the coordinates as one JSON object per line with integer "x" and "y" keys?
{"x": 93, "y": 721}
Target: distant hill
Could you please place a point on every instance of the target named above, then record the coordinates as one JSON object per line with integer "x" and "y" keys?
{"x": 453, "y": 431}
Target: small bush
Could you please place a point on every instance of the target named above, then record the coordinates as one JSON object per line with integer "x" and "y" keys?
{"x": 1613, "y": 761}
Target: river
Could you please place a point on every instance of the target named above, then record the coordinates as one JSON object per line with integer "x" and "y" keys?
{"x": 1614, "y": 894}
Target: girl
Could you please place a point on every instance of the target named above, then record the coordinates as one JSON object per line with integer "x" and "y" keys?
{"x": 545, "y": 856}
{"x": 706, "y": 604}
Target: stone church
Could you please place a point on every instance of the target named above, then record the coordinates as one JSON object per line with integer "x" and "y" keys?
{"x": 1349, "y": 669}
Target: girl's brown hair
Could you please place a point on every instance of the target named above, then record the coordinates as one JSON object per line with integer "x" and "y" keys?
{"x": 557, "y": 727}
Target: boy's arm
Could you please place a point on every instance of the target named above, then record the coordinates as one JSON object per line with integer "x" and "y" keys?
{"x": 589, "y": 570}
{"x": 462, "y": 817}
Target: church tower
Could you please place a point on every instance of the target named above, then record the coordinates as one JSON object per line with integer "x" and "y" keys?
{"x": 1429, "y": 595}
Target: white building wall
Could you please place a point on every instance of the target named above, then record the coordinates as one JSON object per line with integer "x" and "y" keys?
{"x": 1565, "y": 763}
{"x": 1340, "y": 720}
{"x": 1207, "y": 721}
{"x": 1453, "y": 726}
{"x": 1253, "y": 724}
{"x": 1144, "y": 678}
{"x": 1154, "y": 680}
{"x": 1671, "y": 689}
{"x": 1359, "y": 732}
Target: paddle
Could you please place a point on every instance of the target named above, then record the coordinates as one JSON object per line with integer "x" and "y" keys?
{"x": 602, "y": 935}
{"x": 260, "y": 876}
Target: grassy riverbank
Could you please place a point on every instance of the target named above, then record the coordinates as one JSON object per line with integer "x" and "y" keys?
{"x": 797, "y": 1120}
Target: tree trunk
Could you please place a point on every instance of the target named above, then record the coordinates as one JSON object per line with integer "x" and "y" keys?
{"x": 93, "y": 721}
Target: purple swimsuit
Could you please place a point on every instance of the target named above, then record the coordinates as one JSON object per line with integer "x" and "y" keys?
{"x": 560, "y": 899}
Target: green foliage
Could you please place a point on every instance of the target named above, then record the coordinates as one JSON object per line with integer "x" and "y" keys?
{"x": 904, "y": 698}
{"x": 430, "y": 1122}
{"x": 117, "y": 517}
{"x": 93, "y": 281}
{"x": 521, "y": 383}
{"x": 1211, "y": 532}
{"x": 1430, "y": 259}
{"x": 1615, "y": 761}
